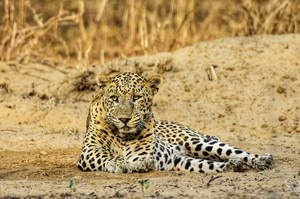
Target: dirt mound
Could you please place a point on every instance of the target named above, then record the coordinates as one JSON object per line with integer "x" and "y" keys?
{"x": 252, "y": 102}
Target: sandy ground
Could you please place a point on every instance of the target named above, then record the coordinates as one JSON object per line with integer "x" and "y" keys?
{"x": 255, "y": 105}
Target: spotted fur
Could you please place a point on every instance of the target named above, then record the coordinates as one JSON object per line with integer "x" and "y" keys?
{"x": 123, "y": 135}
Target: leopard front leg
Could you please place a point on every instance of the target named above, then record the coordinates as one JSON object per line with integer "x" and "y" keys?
{"x": 138, "y": 153}
{"x": 94, "y": 158}
{"x": 142, "y": 164}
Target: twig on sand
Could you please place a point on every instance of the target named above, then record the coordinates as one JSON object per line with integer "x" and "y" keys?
{"x": 8, "y": 130}
{"x": 36, "y": 76}
{"x": 212, "y": 68}
{"x": 211, "y": 73}
{"x": 47, "y": 63}
{"x": 208, "y": 71}
{"x": 213, "y": 178}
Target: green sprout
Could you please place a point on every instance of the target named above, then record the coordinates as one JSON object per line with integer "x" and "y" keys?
{"x": 72, "y": 185}
{"x": 145, "y": 185}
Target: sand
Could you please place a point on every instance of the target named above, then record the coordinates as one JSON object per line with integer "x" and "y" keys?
{"x": 254, "y": 105}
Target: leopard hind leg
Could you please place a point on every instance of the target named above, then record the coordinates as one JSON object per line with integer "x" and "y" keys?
{"x": 206, "y": 166}
{"x": 216, "y": 150}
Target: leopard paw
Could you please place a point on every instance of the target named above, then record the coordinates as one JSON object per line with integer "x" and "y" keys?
{"x": 265, "y": 161}
{"x": 118, "y": 167}
{"x": 143, "y": 165}
{"x": 235, "y": 164}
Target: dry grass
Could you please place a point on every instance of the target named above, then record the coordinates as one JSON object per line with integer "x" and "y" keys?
{"x": 51, "y": 31}
{"x": 267, "y": 17}
{"x": 60, "y": 130}
{"x": 21, "y": 41}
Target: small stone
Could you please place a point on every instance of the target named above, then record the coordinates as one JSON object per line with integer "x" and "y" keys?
{"x": 230, "y": 68}
{"x": 43, "y": 153}
{"x": 280, "y": 89}
{"x": 44, "y": 97}
{"x": 294, "y": 79}
{"x": 151, "y": 64}
{"x": 231, "y": 129}
{"x": 264, "y": 126}
{"x": 285, "y": 76}
{"x": 281, "y": 118}
{"x": 230, "y": 193}
{"x": 32, "y": 93}
{"x": 187, "y": 88}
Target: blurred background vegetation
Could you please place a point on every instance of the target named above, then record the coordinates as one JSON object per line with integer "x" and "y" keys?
{"x": 60, "y": 31}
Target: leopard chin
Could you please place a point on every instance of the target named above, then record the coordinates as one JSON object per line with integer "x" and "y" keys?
{"x": 126, "y": 130}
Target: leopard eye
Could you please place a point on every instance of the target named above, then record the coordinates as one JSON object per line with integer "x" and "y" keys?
{"x": 114, "y": 98}
{"x": 135, "y": 98}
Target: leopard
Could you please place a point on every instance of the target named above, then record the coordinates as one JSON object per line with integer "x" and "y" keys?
{"x": 123, "y": 136}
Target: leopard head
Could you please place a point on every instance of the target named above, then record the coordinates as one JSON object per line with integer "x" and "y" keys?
{"x": 128, "y": 99}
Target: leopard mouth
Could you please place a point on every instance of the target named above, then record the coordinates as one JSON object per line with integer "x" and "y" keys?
{"x": 130, "y": 128}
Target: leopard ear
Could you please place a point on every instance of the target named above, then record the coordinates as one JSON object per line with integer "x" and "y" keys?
{"x": 103, "y": 80}
{"x": 155, "y": 82}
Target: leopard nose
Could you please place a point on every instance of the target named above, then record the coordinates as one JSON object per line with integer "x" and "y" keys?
{"x": 124, "y": 120}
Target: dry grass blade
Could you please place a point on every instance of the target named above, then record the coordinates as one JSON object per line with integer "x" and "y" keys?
{"x": 267, "y": 24}
{"x": 270, "y": 17}
{"x": 95, "y": 22}
{"x": 186, "y": 16}
{"x": 86, "y": 59}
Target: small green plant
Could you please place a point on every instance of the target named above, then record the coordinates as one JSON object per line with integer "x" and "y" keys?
{"x": 72, "y": 185}
{"x": 145, "y": 185}
{"x": 298, "y": 173}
